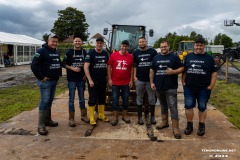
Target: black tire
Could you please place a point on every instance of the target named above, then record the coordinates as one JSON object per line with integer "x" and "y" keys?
{"x": 229, "y": 56}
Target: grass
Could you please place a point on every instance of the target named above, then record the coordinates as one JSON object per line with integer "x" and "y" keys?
{"x": 237, "y": 64}
{"x": 225, "y": 97}
{"x": 24, "y": 97}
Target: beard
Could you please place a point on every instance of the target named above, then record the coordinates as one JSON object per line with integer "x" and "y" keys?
{"x": 143, "y": 47}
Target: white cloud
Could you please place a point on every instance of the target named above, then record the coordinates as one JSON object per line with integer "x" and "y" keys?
{"x": 36, "y": 17}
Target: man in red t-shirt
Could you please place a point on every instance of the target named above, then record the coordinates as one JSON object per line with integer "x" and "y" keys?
{"x": 120, "y": 75}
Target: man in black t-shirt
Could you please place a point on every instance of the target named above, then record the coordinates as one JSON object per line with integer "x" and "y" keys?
{"x": 164, "y": 79}
{"x": 73, "y": 61}
{"x": 143, "y": 57}
{"x": 199, "y": 79}
{"x": 95, "y": 68}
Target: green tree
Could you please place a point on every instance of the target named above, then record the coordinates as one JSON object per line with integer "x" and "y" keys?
{"x": 71, "y": 21}
{"x": 193, "y": 35}
{"x": 45, "y": 37}
{"x": 217, "y": 39}
{"x": 226, "y": 41}
{"x": 223, "y": 39}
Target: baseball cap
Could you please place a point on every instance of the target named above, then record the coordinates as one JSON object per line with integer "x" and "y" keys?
{"x": 125, "y": 42}
{"x": 200, "y": 40}
{"x": 51, "y": 35}
{"x": 100, "y": 39}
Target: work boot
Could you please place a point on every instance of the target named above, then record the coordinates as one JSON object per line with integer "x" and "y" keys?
{"x": 71, "y": 119}
{"x": 101, "y": 114}
{"x": 91, "y": 110}
{"x": 125, "y": 116}
{"x": 152, "y": 110}
{"x": 41, "y": 123}
{"x": 164, "y": 123}
{"x": 201, "y": 129}
{"x": 140, "y": 120}
{"x": 189, "y": 128}
{"x": 146, "y": 110}
{"x": 84, "y": 115}
{"x": 115, "y": 118}
{"x": 175, "y": 126}
{"x": 49, "y": 122}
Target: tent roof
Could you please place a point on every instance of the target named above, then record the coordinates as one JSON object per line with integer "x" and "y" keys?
{"x": 9, "y": 38}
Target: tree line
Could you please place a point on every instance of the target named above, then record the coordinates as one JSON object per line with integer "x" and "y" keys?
{"x": 174, "y": 39}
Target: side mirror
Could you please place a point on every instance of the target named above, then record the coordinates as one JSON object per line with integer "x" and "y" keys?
{"x": 151, "y": 32}
{"x": 105, "y": 31}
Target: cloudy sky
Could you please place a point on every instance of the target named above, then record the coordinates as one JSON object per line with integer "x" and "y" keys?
{"x": 36, "y": 17}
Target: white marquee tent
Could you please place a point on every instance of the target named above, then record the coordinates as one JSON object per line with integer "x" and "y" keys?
{"x": 20, "y": 48}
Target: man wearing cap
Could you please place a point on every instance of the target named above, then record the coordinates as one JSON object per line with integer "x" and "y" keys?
{"x": 143, "y": 57}
{"x": 46, "y": 66}
{"x": 95, "y": 68}
{"x": 120, "y": 75}
{"x": 73, "y": 61}
{"x": 198, "y": 80}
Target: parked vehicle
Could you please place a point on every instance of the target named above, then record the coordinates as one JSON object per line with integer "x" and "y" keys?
{"x": 232, "y": 53}
{"x": 118, "y": 33}
{"x": 185, "y": 47}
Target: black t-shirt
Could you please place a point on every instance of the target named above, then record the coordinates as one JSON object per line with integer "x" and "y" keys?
{"x": 160, "y": 64}
{"x": 142, "y": 62}
{"x": 74, "y": 58}
{"x": 98, "y": 65}
{"x": 199, "y": 68}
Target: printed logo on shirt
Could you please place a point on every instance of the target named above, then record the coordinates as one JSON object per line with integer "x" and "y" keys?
{"x": 56, "y": 59}
{"x": 144, "y": 59}
{"x": 87, "y": 57}
{"x": 196, "y": 67}
{"x": 162, "y": 66}
{"x": 101, "y": 61}
{"x": 36, "y": 55}
{"x": 121, "y": 65}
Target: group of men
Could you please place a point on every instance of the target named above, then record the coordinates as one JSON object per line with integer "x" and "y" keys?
{"x": 151, "y": 72}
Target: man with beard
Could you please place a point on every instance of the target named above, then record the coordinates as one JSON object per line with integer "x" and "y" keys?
{"x": 73, "y": 61}
{"x": 164, "y": 78}
{"x": 143, "y": 57}
{"x": 199, "y": 79}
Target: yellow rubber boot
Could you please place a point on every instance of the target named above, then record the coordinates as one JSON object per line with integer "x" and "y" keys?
{"x": 91, "y": 110}
{"x": 101, "y": 114}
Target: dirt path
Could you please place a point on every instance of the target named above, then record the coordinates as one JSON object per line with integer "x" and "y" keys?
{"x": 125, "y": 141}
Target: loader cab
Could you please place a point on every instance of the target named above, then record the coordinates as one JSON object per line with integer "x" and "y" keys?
{"x": 185, "y": 47}
{"x": 125, "y": 32}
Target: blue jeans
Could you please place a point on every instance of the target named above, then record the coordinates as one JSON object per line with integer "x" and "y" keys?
{"x": 47, "y": 91}
{"x": 168, "y": 99}
{"x": 124, "y": 91}
{"x": 72, "y": 86}
{"x": 202, "y": 96}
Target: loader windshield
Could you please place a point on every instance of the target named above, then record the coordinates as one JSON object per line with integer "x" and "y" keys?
{"x": 186, "y": 46}
{"x": 130, "y": 33}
